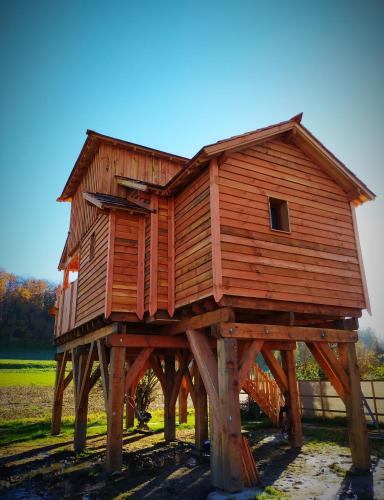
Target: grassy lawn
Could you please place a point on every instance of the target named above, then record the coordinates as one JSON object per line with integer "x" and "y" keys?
{"x": 24, "y": 373}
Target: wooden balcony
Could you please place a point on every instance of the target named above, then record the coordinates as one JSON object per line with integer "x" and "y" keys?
{"x": 66, "y": 308}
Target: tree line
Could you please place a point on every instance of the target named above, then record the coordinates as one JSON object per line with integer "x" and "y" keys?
{"x": 24, "y": 311}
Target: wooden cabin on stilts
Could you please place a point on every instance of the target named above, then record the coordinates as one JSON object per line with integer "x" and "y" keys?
{"x": 192, "y": 267}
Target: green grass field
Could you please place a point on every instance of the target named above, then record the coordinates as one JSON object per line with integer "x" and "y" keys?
{"x": 24, "y": 373}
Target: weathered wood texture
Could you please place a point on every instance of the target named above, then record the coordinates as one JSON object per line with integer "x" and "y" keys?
{"x": 108, "y": 162}
{"x": 193, "y": 244}
{"x": 317, "y": 262}
{"x": 91, "y": 289}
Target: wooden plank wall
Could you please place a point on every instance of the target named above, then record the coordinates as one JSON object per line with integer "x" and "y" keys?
{"x": 125, "y": 263}
{"x": 162, "y": 277}
{"x": 147, "y": 261}
{"x": 93, "y": 273}
{"x": 193, "y": 248}
{"x": 100, "y": 176}
{"x": 317, "y": 262}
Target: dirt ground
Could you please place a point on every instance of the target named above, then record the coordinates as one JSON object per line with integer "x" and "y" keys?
{"x": 156, "y": 470}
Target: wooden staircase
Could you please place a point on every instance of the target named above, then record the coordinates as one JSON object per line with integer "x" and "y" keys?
{"x": 265, "y": 392}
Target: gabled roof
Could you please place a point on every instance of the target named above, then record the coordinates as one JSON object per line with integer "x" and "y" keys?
{"x": 108, "y": 201}
{"x": 90, "y": 148}
{"x": 357, "y": 191}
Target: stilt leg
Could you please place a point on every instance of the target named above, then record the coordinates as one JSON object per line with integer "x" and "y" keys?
{"x": 201, "y": 413}
{"x": 183, "y": 403}
{"x": 232, "y": 464}
{"x": 292, "y": 399}
{"x": 115, "y": 410}
{"x": 81, "y": 405}
{"x": 169, "y": 410}
{"x": 59, "y": 392}
{"x": 130, "y": 408}
{"x": 357, "y": 429}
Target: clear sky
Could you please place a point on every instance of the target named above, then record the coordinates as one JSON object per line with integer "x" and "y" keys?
{"x": 176, "y": 76}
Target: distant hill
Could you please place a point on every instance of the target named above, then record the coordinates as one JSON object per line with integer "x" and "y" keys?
{"x": 25, "y": 322}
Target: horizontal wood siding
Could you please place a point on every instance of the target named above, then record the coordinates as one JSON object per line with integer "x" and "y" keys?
{"x": 147, "y": 261}
{"x": 193, "y": 248}
{"x": 162, "y": 276}
{"x": 108, "y": 162}
{"x": 317, "y": 263}
{"x": 92, "y": 273}
{"x": 125, "y": 263}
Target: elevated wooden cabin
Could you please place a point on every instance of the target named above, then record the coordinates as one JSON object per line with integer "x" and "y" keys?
{"x": 254, "y": 238}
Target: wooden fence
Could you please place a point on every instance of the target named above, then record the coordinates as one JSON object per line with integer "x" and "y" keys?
{"x": 319, "y": 399}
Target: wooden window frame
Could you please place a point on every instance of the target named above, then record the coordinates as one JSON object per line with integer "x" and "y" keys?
{"x": 286, "y": 215}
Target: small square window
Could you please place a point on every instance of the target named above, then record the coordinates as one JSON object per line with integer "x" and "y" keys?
{"x": 92, "y": 242}
{"x": 279, "y": 215}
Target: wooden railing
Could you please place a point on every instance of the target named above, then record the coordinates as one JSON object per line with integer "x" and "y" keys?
{"x": 265, "y": 392}
{"x": 66, "y": 309}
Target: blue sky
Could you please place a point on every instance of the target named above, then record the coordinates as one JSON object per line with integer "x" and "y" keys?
{"x": 176, "y": 76}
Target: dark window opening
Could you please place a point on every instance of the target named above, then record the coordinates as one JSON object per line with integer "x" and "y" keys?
{"x": 92, "y": 242}
{"x": 279, "y": 215}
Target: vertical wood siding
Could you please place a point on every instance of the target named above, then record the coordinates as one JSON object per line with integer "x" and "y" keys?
{"x": 108, "y": 162}
{"x": 317, "y": 262}
{"x": 93, "y": 273}
{"x": 162, "y": 276}
{"x": 193, "y": 248}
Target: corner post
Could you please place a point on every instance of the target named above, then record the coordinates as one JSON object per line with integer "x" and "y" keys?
{"x": 183, "y": 403}
{"x": 292, "y": 399}
{"x": 81, "y": 402}
{"x": 357, "y": 428}
{"x": 169, "y": 410}
{"x": 115, "y": 410}
{"x": 232, "y": 457}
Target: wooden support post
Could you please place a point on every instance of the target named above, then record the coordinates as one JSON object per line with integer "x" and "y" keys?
{"x": 357, "y": 429}
{"x": 169, "y": 409}
{"x": 201, "y": 412}
{"x": 130, "y": 407}
{"x": 57, "y": 409}
{"x": 115, "y": 410}
{"x": 81, "y": 408}
{"x": 232, "y": 459}
{"x": 292, "y": 399}
{"x": 183, "y": 403}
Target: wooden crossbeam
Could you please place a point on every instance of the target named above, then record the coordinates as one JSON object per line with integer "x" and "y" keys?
{"x": 191, "y": 385}
{"x": 94, "y": 377}
{"x": 327, "y": 368}
{"x": 137, "y": 366}
{"x": 276, "y": 369}
{"x": 103, "y": 362}
{"x": 88, "y": 338}
{"x": 281, "y": 332}
{"x": 68, "y": 379}
{"x": 154, "y": 341}
{"x": 85, "y": 376}
{"x": 157, "y": 368}
{"x": 207, "y": 365}
{"x": 183, "y": 363}
{"x": 247, "y": 360}
{"x": 200, "y": 321}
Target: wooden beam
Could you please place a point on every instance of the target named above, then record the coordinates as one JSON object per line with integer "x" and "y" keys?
{"x": 89, "y": 337}
{"x": 247, "y": 360}
{"x": 207, "y": 365}
{"x": 190, "y": 385}
{"x": 183, "y": 402}
{"x": 81, "y": 407}
{"x": 59, "y": 392}
{"x": 103, "y": 363}
{"x": 217, "y": 272}
{"x": 157, "y": 368}
{"x": 115, "y": 410}
{"x": 183, "y": 363}
{"x": 200, "y": 321}
{"x": 324, "y": 364}
{"x": 140, "y": 267}
{"x": 280, "y": 332}
{"x": 171, "y": 256}
{"x": 155, "y": 341}
{"x": 153, "y": 256}
{"x": 201, "y": 412}
{"x": 276, "y": 369}
{"x": 84, "y": 388}
{"x": 137, "y": 366}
